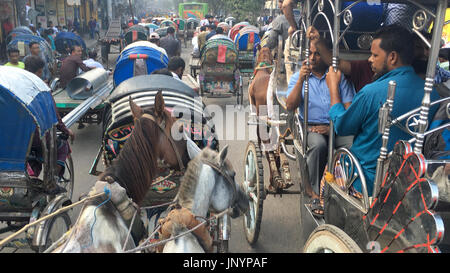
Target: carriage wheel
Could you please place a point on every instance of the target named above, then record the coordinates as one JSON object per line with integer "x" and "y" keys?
{"x": 254, "y": 183}
{"x": 330, "y": 239}
{"x": 57, "y": 227}
{"x": 68, "y": 178}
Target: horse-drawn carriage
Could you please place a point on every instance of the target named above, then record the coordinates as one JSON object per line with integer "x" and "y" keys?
{"x": 407, "y": 209}
{"x": 188, "y": 119}
{"x": 28, "y": 113}
{"x": 219, "y": 74}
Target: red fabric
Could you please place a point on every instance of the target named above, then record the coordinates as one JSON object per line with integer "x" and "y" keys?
{"x": 361, "y": 74}
{"x": 221, "y": 54}
{"x": 251, "y": 37}
{"x": 135, "y": 35}
{"x": 137, "y": 56}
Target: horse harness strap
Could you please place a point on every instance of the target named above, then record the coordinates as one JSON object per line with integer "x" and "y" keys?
{"x": 224, "y": 174}
{"x": 162, "y": 126}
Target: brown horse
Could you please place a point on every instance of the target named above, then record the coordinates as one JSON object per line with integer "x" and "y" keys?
{"x": 130, "y": 176}
{"x": 257, "y": 93}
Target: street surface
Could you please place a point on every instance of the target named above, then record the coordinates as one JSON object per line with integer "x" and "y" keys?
{"x": 280, "y": 227}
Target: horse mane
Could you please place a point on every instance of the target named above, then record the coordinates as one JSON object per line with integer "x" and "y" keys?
{"x": 135, "y": 167}
{"x": 189, "y": 181}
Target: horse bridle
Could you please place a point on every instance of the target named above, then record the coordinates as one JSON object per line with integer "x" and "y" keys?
{"x": 208, "y": 162}
{"x": 219, "y": 169}
{"x": 162, "y": 127}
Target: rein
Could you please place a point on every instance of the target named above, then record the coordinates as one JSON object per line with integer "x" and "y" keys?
{"x": 263, "y": 65}
{"x": 145, "y": 245}
{"x": 162, "y": 126}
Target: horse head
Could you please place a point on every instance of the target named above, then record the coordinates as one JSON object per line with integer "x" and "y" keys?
{"x": 264, "y": 56}
{"x": 171, "y": 153}
{"x": 212, "y": 167}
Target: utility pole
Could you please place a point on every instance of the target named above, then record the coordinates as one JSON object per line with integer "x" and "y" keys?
{"x": 131, "y": 10}
{"x": 22, "y": 12}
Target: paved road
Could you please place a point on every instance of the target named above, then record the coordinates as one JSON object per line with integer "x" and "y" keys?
{"x": 280, "y": 227}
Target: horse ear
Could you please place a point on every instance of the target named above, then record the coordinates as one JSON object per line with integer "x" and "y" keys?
{"x": 192, "y": 148}
{"x": 159, "y": 104}
{"x": 222, "y": 155}
{"x": 135, "y": 109}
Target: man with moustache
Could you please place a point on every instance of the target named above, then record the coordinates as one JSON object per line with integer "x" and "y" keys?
{"x": 392, "y": 54}
{"x": 318, "y": 108}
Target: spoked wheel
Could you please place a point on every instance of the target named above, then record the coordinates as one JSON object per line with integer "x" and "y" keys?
{"x": 330, "y": 239}
{"x": 57, "y": 227}
{"x": 68, "y": 178}
{"x": 254, "y": 185}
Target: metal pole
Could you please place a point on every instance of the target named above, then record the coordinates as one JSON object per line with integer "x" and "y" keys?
{"x": 131, "y": 10}
{"x": 335, "y": 61}
{"x": 431, "y": 70}
{"x": 306, "y": 84}
{"x": 384, "y": 124}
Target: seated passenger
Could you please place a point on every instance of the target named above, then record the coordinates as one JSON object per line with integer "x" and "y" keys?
{"x": 35, "y": 65}
{"x": 318, "y": 118}
{"x": 392, "y": 54}
{"x": 360, "y": 72}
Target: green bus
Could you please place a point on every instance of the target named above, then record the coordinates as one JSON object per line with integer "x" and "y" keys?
{"x": 193, "y": 10}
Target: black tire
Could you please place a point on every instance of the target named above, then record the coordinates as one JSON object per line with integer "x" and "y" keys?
{"x": 57, "y": 227}
{"x": 252, "y": 226}
{"x": 68, "y": 177}
{"x": 330, "y": 239}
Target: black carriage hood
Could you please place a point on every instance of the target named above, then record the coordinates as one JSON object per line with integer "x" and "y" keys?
{"x": 151, "y": 83}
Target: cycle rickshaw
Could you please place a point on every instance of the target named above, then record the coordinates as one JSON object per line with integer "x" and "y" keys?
{"x": 136, "y": 33}
{"x": 219, "y": 74}
{"x": 27, "y": 105}
{"x": 191, "y": 26}
{"x": 407, "y": 210}
{"x": 245, "y": 40}
{"x": 138, "y": 58}
{"x": 65, "y": 40}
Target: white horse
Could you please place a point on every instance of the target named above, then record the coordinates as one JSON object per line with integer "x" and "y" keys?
{"x": 208, "y": 186}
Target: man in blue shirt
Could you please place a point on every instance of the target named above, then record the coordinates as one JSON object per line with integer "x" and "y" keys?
{"x": 392, "y": 54}
{"x": 318, "y": 108}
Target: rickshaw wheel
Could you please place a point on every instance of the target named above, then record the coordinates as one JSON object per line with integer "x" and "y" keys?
{"x": 68, "y": 178}
{"x": 57, "y": 227}
{"x": 330, "y": 239}
{"x": 253, "y": 170}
